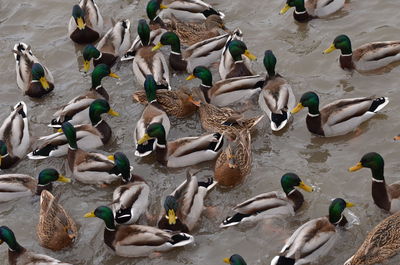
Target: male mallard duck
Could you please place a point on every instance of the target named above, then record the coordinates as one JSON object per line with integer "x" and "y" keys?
{"x": 306, "y": 10}
{"x": 56, "y": 228}
{"x": 314, "y": 238}
{"x": 368, "y": 57}
{"x": 18, "y": 255}
{"x": 183, "y": 207}
{"x": 89, "y": 136}
{"x": 185, "y": 151}
{"x": 381, "y": 243}
{"x": 113, "y": 45}
{"x": 276, "y": 98}
{"x": 149, "y": 62}
{"x": 33, "y": 78}
{"x": 235, "y": 259}
{"x": 385, "y": 196}
{"x": 15, "y": 138}
{"x": 339, "y": 117}
{"x": 232, "y": 64}
{"x": 137, "y": 240}
{"x": 77, "y": 110}
{"x": 153, "y": 113}
{"x": 234, "y": 163}
{"x": 227, "y": 91}
{"x": 204, "y": 53}
{"x": 86, "y": 23}
{"x": 131, "y": 199}
{"x": 271, "y": 204}
{"x": 14, "y": 186}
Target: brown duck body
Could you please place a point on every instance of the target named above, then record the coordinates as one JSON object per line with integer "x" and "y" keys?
{"x": 24, "y": 257}
{"x": 239, "y": 69}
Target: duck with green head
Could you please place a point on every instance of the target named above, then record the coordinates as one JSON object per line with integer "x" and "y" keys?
{"x": 385, "y": 196}
{"x": 18, "y": 255}
{"x": 307, "y": 10}
{"x": 339, "y": 117}
{"x": 315, "y": 238}
{"x": 271, "y": 204}
{"x": 276, "y": 98}
{"x": 86, "y": 23}
{"x": 137, "y": 240}
{"x": 369, "y": 57}
{"x": 77, "y": 110}
{"x": 89, "y": 136}
{"x": 235, "y": 259}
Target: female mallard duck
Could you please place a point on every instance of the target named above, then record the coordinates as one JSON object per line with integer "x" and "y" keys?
{"x": 306, "y": 10}
{"x": 33, "y": 78}
{"x": 153, "y": 113}
{"x": 276, "y": 98}
{"x": 113, "y": 45}
{"x": 385, "y": 196}
{"x": 235, "y": 259}
{"x": 86, "y": 23}
{"x": 18, "y": 255}
{"x": 314, "y": 238}
{"x": 202, "y": 53}
{"x": 149, "y": 62}
{"x": 89, "y": 136}
{"x": 232, "y": 64}
{"x": 271, "y": 204}
{"x": 77, "y": 110}
{"x": 137, "y": 240}
{"x": 185, "y": 151}
{"x": 227, "y": 91}
{"x": 381, "y": 243}
{"x": 339, "y": 117}
{"x": 56, "y": 228}
{"x": 131, "y": 199}
{"x": 234, "y": 163}
{"x": 368, "y": 57}
{"x": 183, "y": 207}
{"x": 15, "y": 138}
{"x": 14, "y": 186}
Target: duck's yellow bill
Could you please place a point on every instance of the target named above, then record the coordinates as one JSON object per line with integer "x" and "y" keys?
{"x": 86, "y": 66}
{"x": 356, "y": 167}
{"x": 63, "y": 179}
{"x": 171, "y": 217}
{"x": 111, "y": 157}
{"x": 190, "y": 77}
{"x": 80, "y": 23}
{"x": 44, "y": 83}
{"x": 305, "y": 187}
{"x": 297, "y": 108}
{"x": 113, "y": 113}
{"x": 194, "y": 102}
{"x": 88, "y": 215}
{"x": 284, "y": 9}
{"x": 157, "y": 47}
{"x": 114, "y": 75}
{"x": 330, "y": 49}
{"x": 227, "y": 260}
{"x": 60, "y": 130}
{"x": 397, "y": 138}
{"x": 163, "y": 6}
{"x": 249, "y": 55}
{"x": 144, "y": 139}
{"x": 349, "y": 204}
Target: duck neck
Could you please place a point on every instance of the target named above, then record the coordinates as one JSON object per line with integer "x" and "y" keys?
{"x": 313, "y": 110}
{"x": 296, "y": 197}
{"x": 42, "y": 187}
{"x": 161, "y": 150}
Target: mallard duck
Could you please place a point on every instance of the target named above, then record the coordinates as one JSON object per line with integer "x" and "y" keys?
{"x": 368, "y": 57}
{"x": 306, "y": 10}
{"x": 15, "y": 138}
{"x": 271, "y": 204}
{"x": 227, "y": 91}
{"x": 381, "y": 243}
{"x": 153, "y": 113}
{"x": 18, "y": 255}
{"x": 86, "y": 23}
{"x": 33, "y": 78}
{"x": 148, "y": 62}
{"x": 77, "y": 110}
{"x": 131, "y": 199}
{"x": 314, "y": 238}
{"x": 137, "y": 240}
{"x": 339, "y": 117}
{"x": 89, "y": 136}
{"x": 276, "y": 98}
{"x": 15, "y": 186}
{"x": 202, "y": 53}
{"x": 234, "y": 163}
{"x": 232, "y": 63}
{"x": 113, "y": 45}
{"x": 183, "y": 207}
{"x": 235, "y": 259}
{"x": 385, "y": 196}
{"x": 56, "y": 228}
{"x": 185, "y": 151}
{"x": 178, "y": 103}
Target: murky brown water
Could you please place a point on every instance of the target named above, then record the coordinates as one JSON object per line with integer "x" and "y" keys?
{"x": 321, "y": 162}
